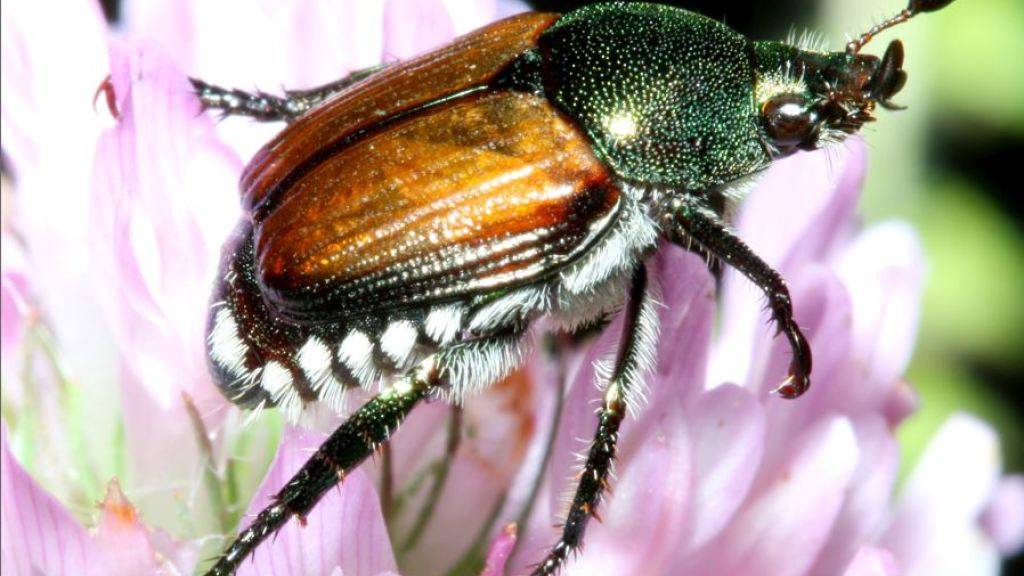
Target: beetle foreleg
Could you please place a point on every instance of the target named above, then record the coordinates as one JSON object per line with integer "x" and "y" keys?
{"x": 634, "y": 356}
{"x": 690, "y": 223}
{"x": 345, "y": 449}
{"x": 269, "y": 108}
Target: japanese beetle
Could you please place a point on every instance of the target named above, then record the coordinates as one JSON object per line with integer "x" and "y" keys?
{"x": 412, "y": 221}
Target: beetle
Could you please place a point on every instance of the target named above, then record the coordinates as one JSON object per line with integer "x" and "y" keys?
{"x": 412, "y": 221}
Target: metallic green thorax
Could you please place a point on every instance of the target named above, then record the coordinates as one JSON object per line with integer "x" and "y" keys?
{"x": 666, "y": 95}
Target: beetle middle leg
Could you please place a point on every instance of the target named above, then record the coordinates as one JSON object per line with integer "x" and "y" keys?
{"x": 268, "y": 107}
{"x": 636, "y": 350}
{"x": 344, "y": 450}
{"x": 689, "y": 222}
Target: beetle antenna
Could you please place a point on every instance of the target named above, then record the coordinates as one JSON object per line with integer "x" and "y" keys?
{"x": 914, "y": 7}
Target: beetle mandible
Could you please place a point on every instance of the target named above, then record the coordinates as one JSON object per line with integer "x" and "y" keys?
{"x": 412, "y": 221}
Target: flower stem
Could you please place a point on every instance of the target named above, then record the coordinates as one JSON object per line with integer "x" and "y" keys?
{"x": 441, "y": 470}
{"x": 473, "y": 560}
{"x": 387, "y": 483}
{"x": 210, "y": 477}
{"x": 558, "y": 352}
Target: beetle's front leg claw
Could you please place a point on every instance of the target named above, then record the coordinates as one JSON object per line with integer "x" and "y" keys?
{"x": 799, "y": 379}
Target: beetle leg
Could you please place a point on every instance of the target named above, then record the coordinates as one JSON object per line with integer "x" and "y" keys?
{"x": 268, "y": 107}
{"x": 689, "y": 223}
{"x": 344, "y": 450}
{"x": 635, "y": 352}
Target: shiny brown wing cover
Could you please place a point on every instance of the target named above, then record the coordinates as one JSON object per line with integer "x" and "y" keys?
{"x": 471, "y": 61}
{"x": 475, "y": 195}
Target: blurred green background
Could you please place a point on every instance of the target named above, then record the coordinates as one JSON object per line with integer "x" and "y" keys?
{"x": 950, "y": 166}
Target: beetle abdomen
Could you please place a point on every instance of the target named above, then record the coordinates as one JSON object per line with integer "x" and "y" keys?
{"x": 258, "y": 358}
{"x": 261, "y": 359}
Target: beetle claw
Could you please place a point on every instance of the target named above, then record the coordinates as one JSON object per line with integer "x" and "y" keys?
{"x": 106, "y": 88}
{"x": 793, "y": 386}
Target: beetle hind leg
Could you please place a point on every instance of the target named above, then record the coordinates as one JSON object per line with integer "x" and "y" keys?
{"x": 353, "y": 441}
{"x": 635, "y": 355}
{"x": 268, "y": 107}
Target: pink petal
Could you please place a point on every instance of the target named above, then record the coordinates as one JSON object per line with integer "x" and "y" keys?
{"x": 883, "y": 270}
{"x": 16, "y": 312}
{"x": 728, "y": 426}
{"x": 48, "y": 89}
{"x": 781, "y": 528}
{"x": 804, "y": 205}
{"x": 900, "y": 402}
{"x": 50, "y": 70}
{"x": 866, "y": 501}
{"x": 264, "y": 43}
{"x": 871, "y": 561}
{"x": 170, "y": 25}
{"x": 935, "y": 528}
{"x": 501, "y": 549}
{"x": 337, "y": 37}
{"x": 165, "y": 198}
{"x": 413, "y": 26}
{"x": 686, "y": 291}
{"x": 31, "y": 381}
{"x": 39, "y": 534}
{"x": 506, "y": 8}
{"x": 344, "y": 531}
{"x": 468, "y": 16}
{"x": 165, "y": 192}
{"x": 129, "y": 547}
{"x": 576, "y": 428}
{"x": 1003, "y": 520}
{"x": 533, "y": 534}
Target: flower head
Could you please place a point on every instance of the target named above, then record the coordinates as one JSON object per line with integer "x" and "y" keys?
{"x": 111, "y": 231}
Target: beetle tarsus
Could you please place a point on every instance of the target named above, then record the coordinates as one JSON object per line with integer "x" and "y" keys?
{"x": 268, "y": 107}
{"x": 343, "y": 451}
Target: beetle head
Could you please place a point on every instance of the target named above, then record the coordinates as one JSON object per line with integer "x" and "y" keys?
{"x": 807, "y": 98}
{"x": 665, "y": 94}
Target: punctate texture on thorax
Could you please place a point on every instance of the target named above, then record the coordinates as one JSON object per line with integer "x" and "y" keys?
{"x": 667, "y": 96}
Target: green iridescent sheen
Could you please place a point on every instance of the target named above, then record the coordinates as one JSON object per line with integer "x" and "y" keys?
{"x": 682, "y": 81}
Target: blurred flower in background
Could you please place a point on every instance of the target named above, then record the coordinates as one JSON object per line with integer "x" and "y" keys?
{"x": 112, "y": 223}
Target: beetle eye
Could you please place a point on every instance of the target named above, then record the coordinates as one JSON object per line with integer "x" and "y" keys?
{"x": 789, "y": 120}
